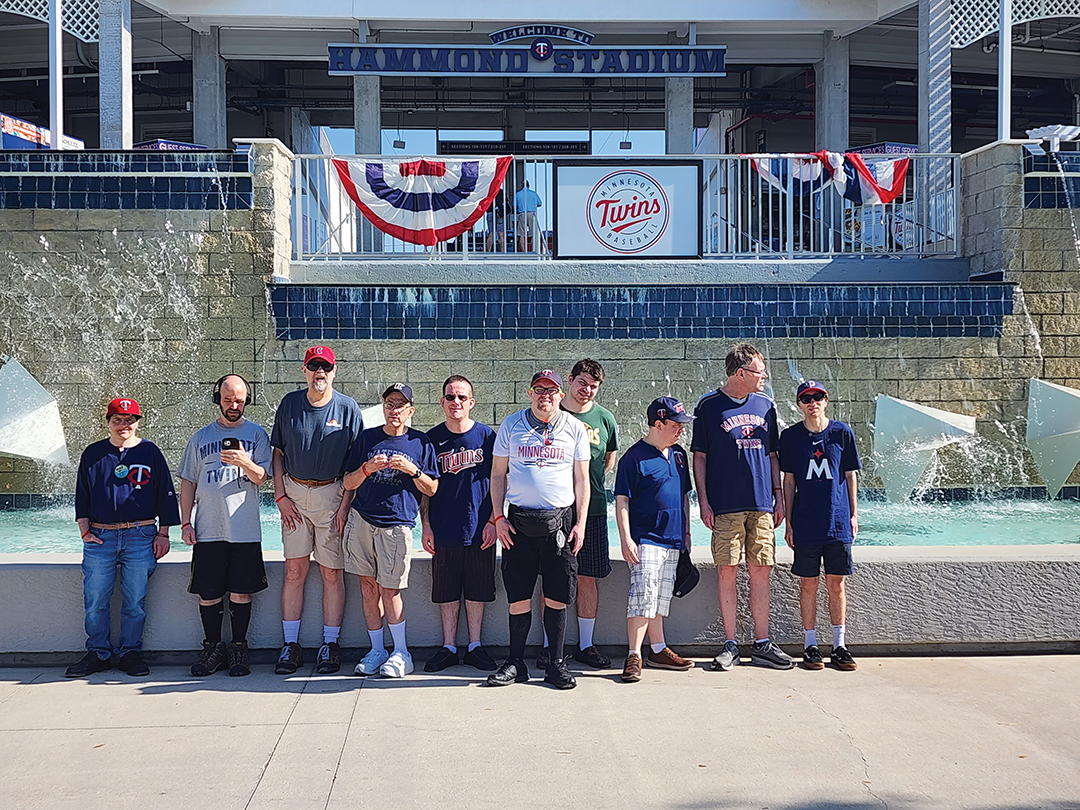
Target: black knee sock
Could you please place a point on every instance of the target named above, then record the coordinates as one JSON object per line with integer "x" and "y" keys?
{"x": 241, "y": 618}
{"x": 211, "y": 621}
{"x": 555, "y": 626}
{"x": 519, "y": 634}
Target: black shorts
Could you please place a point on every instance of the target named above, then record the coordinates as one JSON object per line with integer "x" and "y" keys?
{"x": 467, "y": 571}
{"x": 837, "y": 557}
{"x": 594, "y": 559}
{"x": 539, "y": 555}
{"x": 219, "y": 567}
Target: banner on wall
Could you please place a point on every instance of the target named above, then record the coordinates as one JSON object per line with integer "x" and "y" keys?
{"x": 640, "y": 208}
{"x": 426, "y": 200}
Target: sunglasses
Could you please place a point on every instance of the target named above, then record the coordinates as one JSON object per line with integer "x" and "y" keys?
{"x": 123, "y": 420}
{"x": 319, "y": 365}
{"x": 458, "y": 397}
{"x": 806, "y": 399}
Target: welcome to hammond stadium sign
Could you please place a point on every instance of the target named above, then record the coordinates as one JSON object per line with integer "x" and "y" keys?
{"x": 541, "y": 57}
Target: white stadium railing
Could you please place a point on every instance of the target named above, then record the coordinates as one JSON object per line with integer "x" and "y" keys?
{"x": 743, "y": 215}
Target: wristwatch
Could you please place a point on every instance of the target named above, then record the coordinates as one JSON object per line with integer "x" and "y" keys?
{"x": 417, "y": 474}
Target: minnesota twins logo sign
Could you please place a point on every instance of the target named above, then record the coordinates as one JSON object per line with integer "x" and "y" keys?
{"x": 628, "y": 211}
{"x": 541, "y": 49}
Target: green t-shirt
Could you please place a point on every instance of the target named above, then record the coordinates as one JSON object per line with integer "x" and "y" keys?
{"x": 603, "y": 439}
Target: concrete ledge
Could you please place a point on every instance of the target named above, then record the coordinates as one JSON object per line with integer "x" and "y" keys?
{"x": 904, "y": 599}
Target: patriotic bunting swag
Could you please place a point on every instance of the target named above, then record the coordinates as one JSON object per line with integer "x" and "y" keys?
{"x": 424, "y": 201}
{"x": 876, "y": 183}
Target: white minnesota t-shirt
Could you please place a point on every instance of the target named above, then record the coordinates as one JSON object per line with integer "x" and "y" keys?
{"x": 541, "y": 462}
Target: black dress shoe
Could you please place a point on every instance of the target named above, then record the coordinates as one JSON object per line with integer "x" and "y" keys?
{"x": 508, "y": 673}
{"x": 89, "y": 664}
{"x": 479, "y": 658}
{"x": 131, "y": 662}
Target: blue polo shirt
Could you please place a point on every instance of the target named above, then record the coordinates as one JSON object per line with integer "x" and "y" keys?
{"x": 390, "y": 497}
{"x": 737, "y": 438}
{"x": 115, "y": 485}
{"x": 655, "y": 486}
{"x": 461, "y": 506}
{"x": 818, "y": 461}
{"x": 316, "y": 441}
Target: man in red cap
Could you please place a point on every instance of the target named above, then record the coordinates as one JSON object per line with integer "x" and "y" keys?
{"x": 124, "y": 506}
{"x": 314, "y": 431}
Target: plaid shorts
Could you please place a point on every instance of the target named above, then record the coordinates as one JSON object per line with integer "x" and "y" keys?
{"x": 651, "y": 581}
{"x": 594, "y": 559}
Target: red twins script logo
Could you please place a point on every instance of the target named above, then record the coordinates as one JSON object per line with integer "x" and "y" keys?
{"x": 628, "y": 211}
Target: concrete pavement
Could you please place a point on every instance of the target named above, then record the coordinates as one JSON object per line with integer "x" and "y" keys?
{"x": 964, "y": 732}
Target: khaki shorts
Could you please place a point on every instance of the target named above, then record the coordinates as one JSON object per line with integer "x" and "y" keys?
{"x": 750, "y": 531}
{"x": 381, "y": 552}
{"x": 315, "y": 536}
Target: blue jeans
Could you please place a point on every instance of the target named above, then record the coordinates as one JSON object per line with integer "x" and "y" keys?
{"x": 133, "y": 551}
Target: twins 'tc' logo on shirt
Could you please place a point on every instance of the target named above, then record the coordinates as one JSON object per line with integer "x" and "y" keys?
{"x": 138, "y": 474}
{"x": 745, "y": 424}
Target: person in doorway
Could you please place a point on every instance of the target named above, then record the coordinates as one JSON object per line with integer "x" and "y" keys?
{"x": 526, "y": 203}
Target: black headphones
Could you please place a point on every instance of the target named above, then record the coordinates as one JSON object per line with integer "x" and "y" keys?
{"x": 216, "y": 396}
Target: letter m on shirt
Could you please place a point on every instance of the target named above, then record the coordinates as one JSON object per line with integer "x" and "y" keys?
{"x": 818, "y": 468}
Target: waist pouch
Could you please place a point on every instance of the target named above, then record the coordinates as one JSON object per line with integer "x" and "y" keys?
{"x": 542, "y": 522}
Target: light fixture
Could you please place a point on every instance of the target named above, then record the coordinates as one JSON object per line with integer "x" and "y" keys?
{"x": 399, "y": 142}
{"x": 626, "y": 143}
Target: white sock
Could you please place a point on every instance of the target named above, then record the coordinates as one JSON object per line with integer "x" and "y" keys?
{"x": 330, "y": 633}
{"x": 291, "y": 631}
{"x": 376, "y": 639}
{"x": 811, "y": 638}
{"x": 473, "y": 645}
{"x": 658, "y": 648}
{"x": 546, "y": 645}
{"x": 634, "y": 652}
{"x": 585, "y": 628}
{"x": 762, "y": 640}
{"x": 397, "y": 632}
{"x": 838, "y": 635}
{"x": 451, "y": 647}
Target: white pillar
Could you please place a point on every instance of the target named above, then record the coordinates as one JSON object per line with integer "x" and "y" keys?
{"x": 679, "y": 108}
{"x": 1005, "y": 70}
{"x": 56, "y": 74}
{"x": 367, "y": 108}
{"x": 935, "y": 76}
{"x": 208, "y": 107}
{"x": 832, "y": 116}
{"x": 114, "y": 67}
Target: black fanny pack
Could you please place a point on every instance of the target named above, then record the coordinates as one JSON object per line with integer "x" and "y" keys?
{"x": 541, "y": 522}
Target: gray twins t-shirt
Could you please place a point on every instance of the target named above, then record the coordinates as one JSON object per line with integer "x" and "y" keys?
{"x": 226, "y": 502}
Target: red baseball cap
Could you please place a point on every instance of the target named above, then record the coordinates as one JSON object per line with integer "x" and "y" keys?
{"x": 125, "y": 406}
{"x": 322, "y": 353}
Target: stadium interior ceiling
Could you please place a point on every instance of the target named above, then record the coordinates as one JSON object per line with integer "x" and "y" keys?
{"x": 263, "y": 92}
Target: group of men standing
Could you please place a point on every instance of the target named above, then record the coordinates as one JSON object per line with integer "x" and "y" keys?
{"x": 349, "y": 498}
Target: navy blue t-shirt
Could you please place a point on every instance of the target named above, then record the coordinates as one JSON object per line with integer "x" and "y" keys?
{"x": 817, "y": 461}
{"x": 390, "y": 497}
{"x": 117, "y": 485}
{"x": 655, "y": 486}
{"x": 316, "y": 441}
{"x": 737, "y": 440}
{"x": 461, "y": 506}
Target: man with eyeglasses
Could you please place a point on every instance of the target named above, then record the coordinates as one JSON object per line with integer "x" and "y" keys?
{"x": 456, "y": 526}
{"x": 737, "y": 476}
{"x": 314, "y": 432}
{"x": 124, "y": 505}
{"x": 391, "y": 468}
{"x": 541, "y": 464}
{"x": 820, "y": 464}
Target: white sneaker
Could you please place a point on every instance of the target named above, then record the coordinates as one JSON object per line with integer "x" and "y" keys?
{"x": 398, "y": 665}
{"x": 371, "y": 662}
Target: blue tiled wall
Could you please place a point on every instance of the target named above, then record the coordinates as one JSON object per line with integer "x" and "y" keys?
{"x": 1052, "y": 191}
{"x": 748, "y": 311}
{"x": 125, "y": 180}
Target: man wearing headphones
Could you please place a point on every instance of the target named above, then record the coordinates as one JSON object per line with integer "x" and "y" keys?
{"x": 223, "y": 467}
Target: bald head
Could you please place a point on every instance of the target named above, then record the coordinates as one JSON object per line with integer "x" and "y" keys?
{"x": 234, "y": 393}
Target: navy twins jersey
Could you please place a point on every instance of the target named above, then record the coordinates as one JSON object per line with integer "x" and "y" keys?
{"x": 461, "y": 507}
{"x": 818, "y": 463}
{"x": 117, "y": 485}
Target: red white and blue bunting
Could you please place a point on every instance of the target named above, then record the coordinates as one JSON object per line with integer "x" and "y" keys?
{"x": 423, "y": 201}
{"x": 876, "y": 183}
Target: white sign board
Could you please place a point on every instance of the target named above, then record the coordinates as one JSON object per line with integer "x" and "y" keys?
{"x": 619, "y": 210}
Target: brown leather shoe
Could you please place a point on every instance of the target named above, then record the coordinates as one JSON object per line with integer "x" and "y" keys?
{"x": 631, "y": 671}
{"x": 667, "y": 659}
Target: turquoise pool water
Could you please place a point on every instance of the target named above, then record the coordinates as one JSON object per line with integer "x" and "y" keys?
{"x": 973, "y": 523}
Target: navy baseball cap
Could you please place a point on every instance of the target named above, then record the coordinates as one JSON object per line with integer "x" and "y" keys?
{"x": 810, "y": 385}
{"x": 552, "y": 377}
{"x": 400, "y": 388}
{"x": 668, "y": 408}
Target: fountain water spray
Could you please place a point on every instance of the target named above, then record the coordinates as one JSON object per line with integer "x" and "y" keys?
{"x": 29, "y": 417}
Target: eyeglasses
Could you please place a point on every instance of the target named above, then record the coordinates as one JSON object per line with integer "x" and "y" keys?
{"x": 396, "y": 406}
{"x": 806, "y": 399}
{"x": 540, "y": 392}
{"x": 319, "y": 365}
{"x": 458, "y": 397}
{"x": 760, "y": 373}
{"x": 123, "y": 420}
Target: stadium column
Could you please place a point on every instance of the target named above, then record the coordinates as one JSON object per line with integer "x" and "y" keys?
{"x": 114, "y": 66}
{"x": 679, "y": 109}
{"x": 832, "y": 119}
{"x": 208, "y": 96}
{"x": 935, "y": 76}
{"x": 367, "y": 136}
